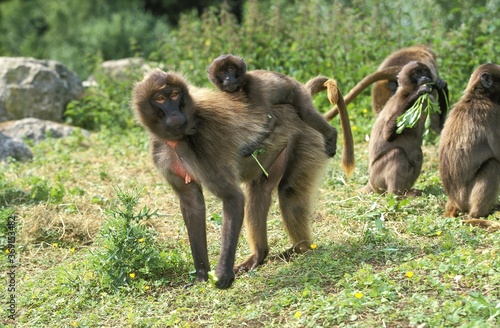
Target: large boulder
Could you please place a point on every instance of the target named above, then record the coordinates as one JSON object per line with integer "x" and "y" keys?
{"x": 38, "y": 130}
{"x": 15, "y": 148}
{"x": 119, "y": 68}
{"x": 36, "y": 88}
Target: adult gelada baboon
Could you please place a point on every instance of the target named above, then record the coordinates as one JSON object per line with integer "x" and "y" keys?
{"x": 395, "y": 160}
{"x": 264, "y": 88}
{"x": 386, "y": 82}
{"x": 469, "y": 149}
{"x": 196, "y": 139}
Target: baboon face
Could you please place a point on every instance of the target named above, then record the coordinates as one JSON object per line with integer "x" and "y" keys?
{"x": 227, "y": 73}
{"x": 162, "y": 104}
{"x": 415, "y": 73}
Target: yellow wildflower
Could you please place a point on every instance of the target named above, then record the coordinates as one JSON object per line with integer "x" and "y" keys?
{"x": 438, "y": 233}
{"x": 132, "y": 275}
{"x": 313, "y": 246}
{"x": 146, "y": 287}
{"x": 141, "y": 240}
{"x": 409, "y": 274}
{"x": 358, "y": 295}
{"x": 72, "y": 250}
{"x": 55, "y": 244}
{"x": 7, "y": 251}
{"x": 297, "y": 314}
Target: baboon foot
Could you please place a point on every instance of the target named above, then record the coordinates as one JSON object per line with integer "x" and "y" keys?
{"x": 365, "y": 190}
{"x": 250, "y": 263}
{"x": 298, "y": 248}
{"x": 410, "y": 193}
{"x": 225, "y": 278}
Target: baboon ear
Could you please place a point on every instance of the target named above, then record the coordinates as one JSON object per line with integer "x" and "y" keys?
{"x": 486, "y": 80}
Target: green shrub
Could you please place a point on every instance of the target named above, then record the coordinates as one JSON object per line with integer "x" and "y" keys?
{"x": 128, "y": 250}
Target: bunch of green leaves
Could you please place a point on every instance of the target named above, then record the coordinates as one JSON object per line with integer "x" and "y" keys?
{"x": 128, "y": 247}
{"x": 410, "y": 118}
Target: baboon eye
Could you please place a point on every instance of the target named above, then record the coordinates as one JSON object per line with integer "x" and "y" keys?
{"x": 174, "y": 95}
{"x": 160, "y": 99}
{"x": 231, "y": 68}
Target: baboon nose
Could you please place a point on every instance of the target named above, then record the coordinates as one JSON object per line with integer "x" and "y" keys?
{"x": 176, "y": 122}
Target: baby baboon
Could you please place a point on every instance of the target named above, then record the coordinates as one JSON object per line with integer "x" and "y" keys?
{"x": 469, "y": 149}
{"x": 196, "y": 139}
{"x": 264, "y": 88}
{"x": 395, "y": 160}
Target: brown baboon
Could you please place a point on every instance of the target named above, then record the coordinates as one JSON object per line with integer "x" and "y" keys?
{"x": 469, "y": 149}
{"x": 196, "y": 139}
{"x": 386, "y": 82}
{"x": 266, "y": 88}
{"x": 395, "y": 160}
{"x": 383, "y": 90}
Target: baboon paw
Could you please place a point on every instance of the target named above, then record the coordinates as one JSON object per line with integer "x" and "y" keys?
{"x": 440, "y": 83}
{"x": 224, "y": 280}
{"x": 250, "y": 263}
{"x": 330, "y": 149}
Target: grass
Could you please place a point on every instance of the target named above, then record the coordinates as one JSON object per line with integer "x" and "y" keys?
{"x": 379, "y": 260}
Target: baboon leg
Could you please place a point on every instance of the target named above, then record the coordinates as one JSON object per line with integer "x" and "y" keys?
{"x": 192, "y": 205}
{"x": 394, "y": 172}
{"x": 451, "y": 209}
{"x": 232, "y": 220}
{"x": 296, "y": 192}
{"x": 484, "y": 191}
{"x": 256, "y": 209}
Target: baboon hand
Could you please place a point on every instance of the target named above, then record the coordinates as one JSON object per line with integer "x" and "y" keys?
{"x": 224, "y": 279}
{"x": 440, "y": 84}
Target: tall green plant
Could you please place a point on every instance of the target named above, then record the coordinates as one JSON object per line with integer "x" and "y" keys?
{"x": 128, "y": 248}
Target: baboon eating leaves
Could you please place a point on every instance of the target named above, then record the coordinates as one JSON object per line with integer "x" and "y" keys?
{"x": 395, "y": 160}
{"x": 264, "y": 88}
{"x": 386, "y": 83}
{"x": 196, "y": 139}
{"x": 469, "y": 149}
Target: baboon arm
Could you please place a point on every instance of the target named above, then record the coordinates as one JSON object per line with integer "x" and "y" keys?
{"x": 383, "y": 74}
{"x": 192, "y": 205}
{"x": 443, "y": 97}
{"x": 233, "y": 204}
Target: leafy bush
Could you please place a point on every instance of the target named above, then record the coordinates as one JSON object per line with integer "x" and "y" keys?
{"x": 128, "y": 249}
{"x": 107, "y": 104}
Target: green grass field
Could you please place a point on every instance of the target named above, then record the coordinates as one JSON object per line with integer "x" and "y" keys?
{"x": 99, "y": 238}
{"x": 378, "y": 261}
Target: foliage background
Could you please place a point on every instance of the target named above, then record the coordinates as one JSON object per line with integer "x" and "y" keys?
{"x": 380, "y": 261}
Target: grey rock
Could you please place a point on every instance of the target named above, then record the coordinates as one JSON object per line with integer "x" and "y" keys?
{"x": 15, "y": 148}
{"x": 36, "y": 88}
{"x": 38, "y": 130}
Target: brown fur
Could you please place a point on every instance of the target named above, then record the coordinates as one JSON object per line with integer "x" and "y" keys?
{"x": 385, "y": 79}
{"x": 381, "y": 91}
{"x": 321, "y": 83}
{"x": 469, "y": 149}
{"x": 382, "y": 74}
{"x": 264, "y": 88}
{"x": 395, "y": 160}
{"x": 208, "y": 149}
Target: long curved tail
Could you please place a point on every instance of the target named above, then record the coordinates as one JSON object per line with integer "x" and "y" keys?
{"x": 384, "y": 74}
